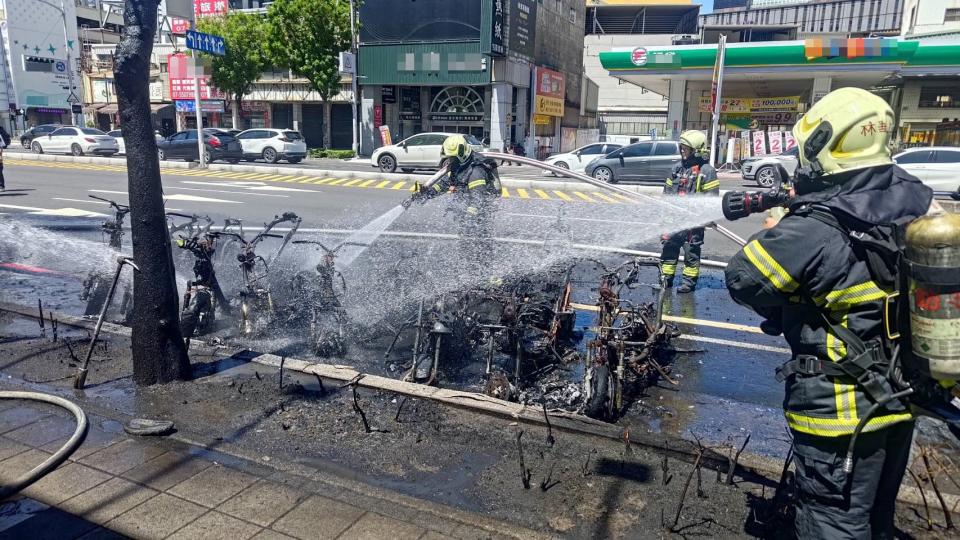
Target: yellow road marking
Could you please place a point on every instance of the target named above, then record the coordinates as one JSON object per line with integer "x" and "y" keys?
{"x": 338, "y": 181}
{"x": 353, "y": 182}
{"x": 563, "y": 195}
{"x": 625, "y": 198}
{"x": 583, "y": 196}
{"x": 523, "y": 193}
{"x": 541, "y": 193}
{"x": 382, "y": 185}
{"x": 506, "y": 194}
{"x": 399, "y": 185}
{"x": 247, "y": 176}
{"x": 685, "y": 320}
{"x": 367, "y": 183}
{"x": 322, "y": 181}
{"x": 603, "y": 197}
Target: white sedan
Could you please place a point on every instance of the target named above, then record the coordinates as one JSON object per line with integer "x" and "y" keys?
{"x": 578, "y": 159}
{"x": 77, "y": 141}
{"x": 118, "y": 135}
{"x": 935, "y": 166}
{"x": 423, "y": 151}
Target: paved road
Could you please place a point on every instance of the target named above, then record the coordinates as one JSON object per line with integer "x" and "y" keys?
{"x": 522, "y": 172}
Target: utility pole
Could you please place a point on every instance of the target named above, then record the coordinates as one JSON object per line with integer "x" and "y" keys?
{"x": 353, "y": 80}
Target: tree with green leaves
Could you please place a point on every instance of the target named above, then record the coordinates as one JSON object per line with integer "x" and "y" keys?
{"x": 245, "y": 59}
{"x": 307, "y": 37}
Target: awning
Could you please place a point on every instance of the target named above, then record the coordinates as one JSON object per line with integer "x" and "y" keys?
{"x": 112, "y": 108}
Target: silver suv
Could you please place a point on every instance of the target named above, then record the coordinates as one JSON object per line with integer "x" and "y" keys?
{"x": 761, "y": 168}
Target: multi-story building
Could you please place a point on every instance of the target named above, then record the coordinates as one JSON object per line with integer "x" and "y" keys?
{"x": 613, "y": 25}
{"x": 785, "y": 20}
{"x": 931, "y": 19}
{"x": 467, "y": 67}
{"x": 39, "y": 75}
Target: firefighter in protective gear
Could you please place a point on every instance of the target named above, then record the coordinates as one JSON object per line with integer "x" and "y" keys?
{"x": 808, "y": 279}
{"x": 692, "y": 176}
{"x": 475, "y": 185}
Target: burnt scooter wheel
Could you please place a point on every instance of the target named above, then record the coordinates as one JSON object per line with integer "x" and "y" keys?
{"x": 599, "y": 402}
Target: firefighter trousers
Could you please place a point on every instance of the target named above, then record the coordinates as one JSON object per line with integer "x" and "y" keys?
{"x": 860, "y": 505}
{"x": 691, "y": 241}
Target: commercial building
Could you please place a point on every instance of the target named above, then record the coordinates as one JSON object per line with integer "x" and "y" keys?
{"x": 467, "y": 67}
{"x": 39, "y": 63}
{"x": 623, "y": 108}
{"x": 931, "y": 19}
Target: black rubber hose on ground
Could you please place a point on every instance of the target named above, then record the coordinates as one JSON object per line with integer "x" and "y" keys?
{"x": 61, "y": 455}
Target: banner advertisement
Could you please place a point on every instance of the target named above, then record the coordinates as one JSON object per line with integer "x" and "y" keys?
{"x": 188, "y": 106}
{"x": 752, "y": 105}
{"x": 732, "y": 144}
{"x": 181, "y": 85}
{"x": 209, "y": 8}
{"x": 385, "y": 135}
{"x": 179, "y": 26}
{"x": 776, "y": 142}
{"x": 789, "y": 142}
{"x": 759, "y": 143}
{"x": 549, "y": 92}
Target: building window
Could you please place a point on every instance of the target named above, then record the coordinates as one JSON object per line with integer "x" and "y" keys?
{"x": 951, "y": 15}
{"x": 572, "y": 15}
{"x": 939, "y": 97}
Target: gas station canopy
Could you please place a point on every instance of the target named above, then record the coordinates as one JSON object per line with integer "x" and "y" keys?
{"x": 773, "y": 68}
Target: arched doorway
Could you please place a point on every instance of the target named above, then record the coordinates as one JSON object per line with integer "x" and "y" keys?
{"x": 457, "y": 109}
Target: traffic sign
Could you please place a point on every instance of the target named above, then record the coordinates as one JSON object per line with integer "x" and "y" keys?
{"x": 207, "y": 43}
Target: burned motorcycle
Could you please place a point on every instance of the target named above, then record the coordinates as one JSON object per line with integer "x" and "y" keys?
{"x": 629, "y": 339}
{"x": 97, "y": 284}
{"x": 203, "y": 295}
{"x": 256, "y": 301}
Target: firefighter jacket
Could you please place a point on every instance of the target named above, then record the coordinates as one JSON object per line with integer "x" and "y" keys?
{"x": 692, "y": 176}
{"x": 804, "y": 269}
{"x": 475, "y": 185}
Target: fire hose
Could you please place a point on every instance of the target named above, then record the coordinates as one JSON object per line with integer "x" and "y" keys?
{"x": 57, "y": 458}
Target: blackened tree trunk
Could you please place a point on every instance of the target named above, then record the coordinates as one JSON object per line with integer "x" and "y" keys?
{"x": 159, "y": 354}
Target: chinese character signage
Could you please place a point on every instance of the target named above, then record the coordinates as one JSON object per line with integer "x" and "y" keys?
{"x": 549, "y": 92}
{"x": 498, "y": 41}
{"x": 776, "y": 142}
{"x": 759, "y": 143}
{"x": 181, "y": 85}
{"x": 179, "y": 26}
{"x": 188, "y": 106}
{"x": 849, "y": 48}
{"x": 523, "y": 27}
{"x": 753, "y": 105}
{"x": 208, "y": 8}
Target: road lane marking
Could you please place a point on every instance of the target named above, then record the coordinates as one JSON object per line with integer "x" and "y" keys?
{"x": 196, "y": 198}
{"x": 68, "y": 212}
{"x": 626, "y": 199}
{"x": 227, "y": 192}
{"x": 603, "y": 197}
{"x": 542, "y": 194}
{"x": 583, "y": 196}
{"x": 399, "y": 185}
{"x": 595, "y": 220}
{"x": 685, "y": 320}
{"x": 352, "y": 182}
{"x": 383, "y": 184}
{"x": 740, "y": 344}
{"x": 337, "y": 182}
{"x": 367, "y": 183}
{"x": 505, "y": 193}
{"x": 523, "y": 193}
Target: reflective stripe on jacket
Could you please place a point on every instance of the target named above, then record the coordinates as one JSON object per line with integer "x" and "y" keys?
{"x": 695, "y": 179}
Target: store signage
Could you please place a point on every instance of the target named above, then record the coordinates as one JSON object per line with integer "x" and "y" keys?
{"x": 377, "y": 116}
{"x": 542, "y": 120}
{"x": 639, "y": 56}
{"x": 789, "y": 143}
{"x": 751, "y": 105}
{"x": 77, "y": 109}
{"x": 549, "y": 92}
{"x": 388, "y": 94}
{"x": 208, "y": 8}
{"x": 776, "y": 142}
{"x": 523, "y": 27}
{"x": 498, "y": 37}
{"x": 759, "y": 143}
{"x": 849, "y": 48}
{"x": 50, "y": 110}
{"x": 410, "y": 116}
{"x": 156, "y": 91}
{"x": 181, "y": 85}
{"x": 179, "y": 26}
{"x": 188, "y": 106}
{"x": 780, "y": 118}
{"x": 456, "y": 117}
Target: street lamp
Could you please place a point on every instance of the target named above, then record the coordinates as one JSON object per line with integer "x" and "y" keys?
{"x": 66, "y": 45}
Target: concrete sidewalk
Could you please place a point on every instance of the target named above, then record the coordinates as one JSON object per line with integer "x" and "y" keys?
{"x": 116, "y": 485}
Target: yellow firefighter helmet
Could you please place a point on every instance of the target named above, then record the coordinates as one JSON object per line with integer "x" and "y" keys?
{"x": 695, "y": 139}
{"x": 848, "y": 129}
{"x": 456, "y": 146}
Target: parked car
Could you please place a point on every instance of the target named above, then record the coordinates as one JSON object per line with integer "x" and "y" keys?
{"x": 422, "y": 151}
{"x": 935, "y": 166}
{"x": 118, "y": 135}
{"x": 272, "y": 145}
{"x": 578, "y": 159}
{"x": 77, "y": 141}
{"x": 761, "y": 168}
{"x": 220, "y": 145}
{"x": 26, "y": 139}
{"x": 643, "y": 161}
